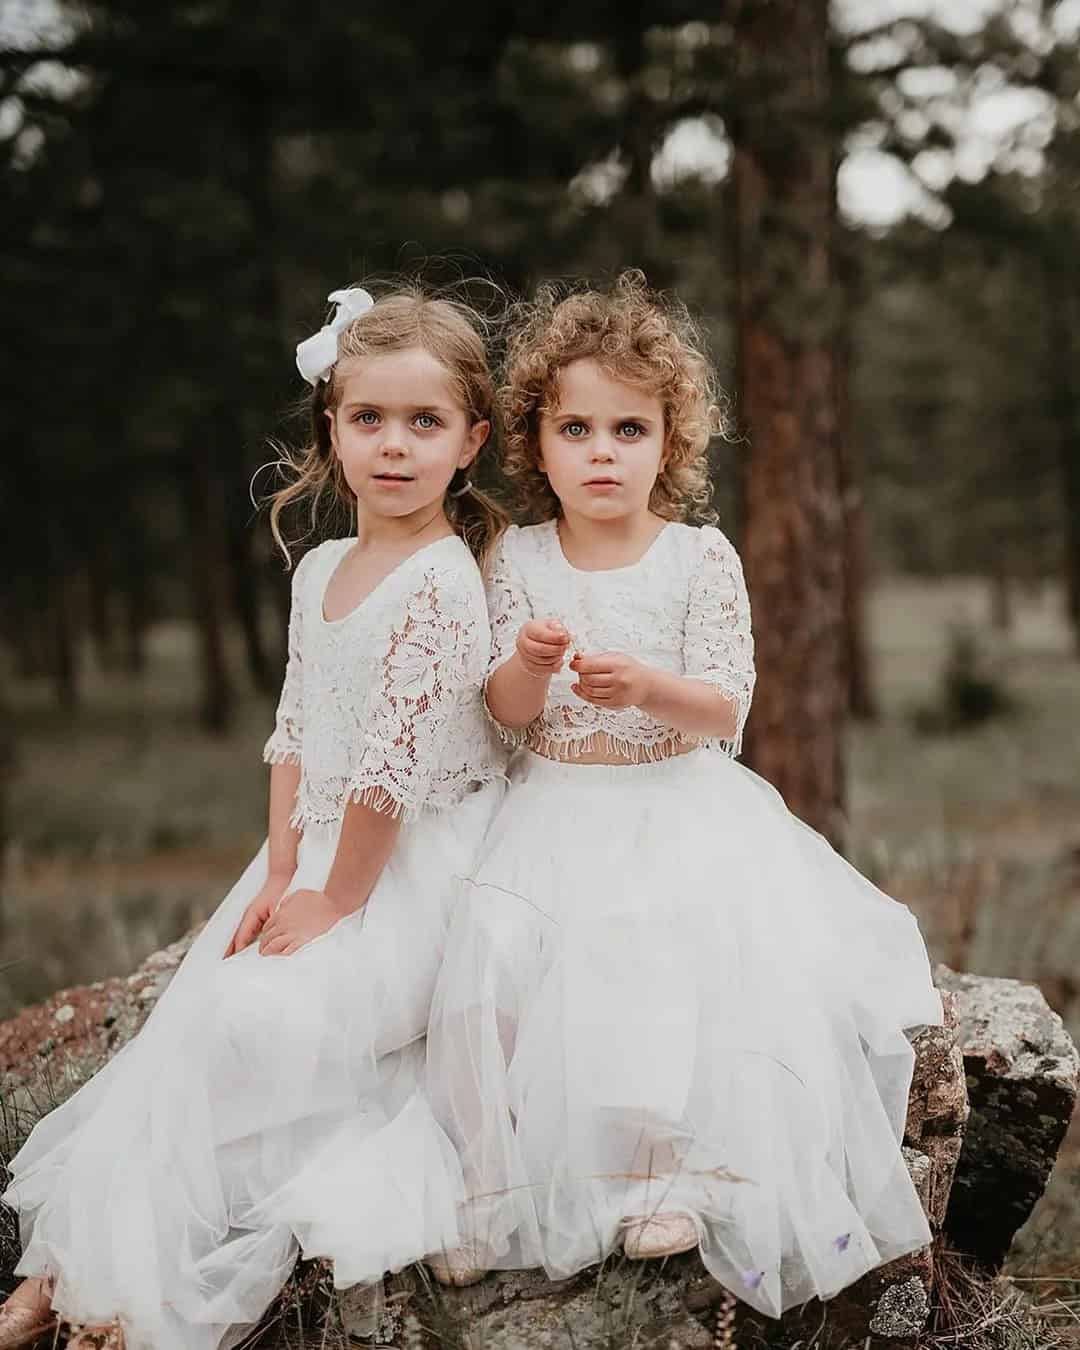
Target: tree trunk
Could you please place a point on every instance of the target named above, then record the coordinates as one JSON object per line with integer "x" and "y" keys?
{"x": 793, "y": 546}
{"x": 7, "y": 768}
{"x": 136, "y": 594}
{"x": 1061, "y": 307}
{"x": 1001, "y": 606}
{"x": 209, "y": 583}
{"x": 61, "y": 616}
{"x": 99, "y": 595}
{"x": 255, "y": 171}
{"x": 858, "y": 671}
{"x": 637, "y": 202}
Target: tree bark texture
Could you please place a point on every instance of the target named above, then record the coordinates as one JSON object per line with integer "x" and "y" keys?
{"x": 793, "y": 544}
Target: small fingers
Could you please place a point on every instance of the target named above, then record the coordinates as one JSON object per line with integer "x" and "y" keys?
{"x": 269, "y": 933}
{"x": 555, "y": 631}
{"x": 589, "y": 696}
{"x": 239, "y": 941}
{"x": 543, "y": 651}
{"x": 277, "y": 946}
{"x": 604, "y": 664}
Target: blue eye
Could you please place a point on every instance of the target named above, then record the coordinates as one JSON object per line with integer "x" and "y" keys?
{"x": 427, "y": 421}
{"x": 366, "y": 417}
{"x": 575, "y": 430}
{"x": 632, "y": 430}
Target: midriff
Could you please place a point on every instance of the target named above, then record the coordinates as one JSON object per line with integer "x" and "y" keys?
{"x": 603, "y": 750}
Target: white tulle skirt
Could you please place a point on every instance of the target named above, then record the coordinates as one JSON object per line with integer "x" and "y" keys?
{"x": 663, "y": 992}
{"x": 269, "y": 1105}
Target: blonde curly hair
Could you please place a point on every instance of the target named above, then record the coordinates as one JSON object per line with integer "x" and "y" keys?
{"x": 636, "y": 335}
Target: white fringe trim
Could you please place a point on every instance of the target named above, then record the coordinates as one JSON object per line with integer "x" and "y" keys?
{"x": 553, "y": 746}
{"x": 382, "y": 800}
{"x": 272, "y": 755}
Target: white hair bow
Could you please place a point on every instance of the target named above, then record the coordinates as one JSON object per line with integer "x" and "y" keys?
{"x": 315, "y": 356}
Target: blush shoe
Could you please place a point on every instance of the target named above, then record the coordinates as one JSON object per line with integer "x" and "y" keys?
{"x": 648, "y": 1236}
{"x": 109, "y": 1337}
{"x": 461, "y": 1266}
{"x": 24, "y": 1319}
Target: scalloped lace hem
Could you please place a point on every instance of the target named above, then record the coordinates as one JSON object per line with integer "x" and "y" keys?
{"x": 281, "y": 754}
{"x": 381, "y": 799}
{"x": 552, "y": 745}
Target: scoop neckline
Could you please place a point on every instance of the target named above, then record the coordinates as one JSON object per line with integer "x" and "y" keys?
{"x": 350, "y": 540}
{"x": 607, "y": 571}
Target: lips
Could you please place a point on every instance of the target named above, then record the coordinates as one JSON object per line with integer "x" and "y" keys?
{"x": 393, "y": 478}
{"x": 601, "y": 482}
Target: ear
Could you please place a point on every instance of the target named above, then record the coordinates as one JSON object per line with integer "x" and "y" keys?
{"x": 474, "y": 441}
{"x": 329, "y": 414}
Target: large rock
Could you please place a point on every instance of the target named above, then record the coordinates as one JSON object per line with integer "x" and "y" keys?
{"x": 891, "y": 1304}
{"x": 1023, "y": 1073}
{"x": 57, "y": 1045}
{"x": 1021, "y": 1069}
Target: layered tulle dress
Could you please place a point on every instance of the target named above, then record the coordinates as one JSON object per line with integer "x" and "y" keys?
{"x": 271, "y": 1104}
{"x": 662, "y": 992}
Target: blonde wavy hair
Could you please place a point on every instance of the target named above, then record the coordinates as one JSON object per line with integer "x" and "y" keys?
{"x": 404, "y": 316}
{"x": 635, "y": 335}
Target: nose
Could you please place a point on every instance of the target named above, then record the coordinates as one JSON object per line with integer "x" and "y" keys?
{"x": 393, "y": 442}
{"x": 603, "y": 452}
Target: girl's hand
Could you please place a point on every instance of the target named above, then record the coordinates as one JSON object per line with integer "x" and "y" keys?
{"x": 542, "y": 646}
{"x": 299, "y": 918}
{"x": 611, "y": 680}
{"x": 257, "y": 913}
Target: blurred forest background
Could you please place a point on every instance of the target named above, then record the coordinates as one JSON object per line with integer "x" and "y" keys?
{"x": 874, "y": 209}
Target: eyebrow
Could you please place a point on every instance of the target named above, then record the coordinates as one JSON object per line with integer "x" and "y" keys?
{"x": 561, "y": 413}
{"x": 377, "y": 407}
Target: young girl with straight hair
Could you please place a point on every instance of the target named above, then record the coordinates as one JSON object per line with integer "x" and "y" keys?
{"x": 270, "y": 1103}
{"x": 669, "y": 1015}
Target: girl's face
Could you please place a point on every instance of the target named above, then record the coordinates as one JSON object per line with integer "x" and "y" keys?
{"x": 400, "y": 431}
{"x": 602, "y": 447}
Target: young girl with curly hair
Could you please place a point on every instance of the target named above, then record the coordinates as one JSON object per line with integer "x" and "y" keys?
{"x": 669, "y": 1015}
{"x": 271, "y": 1103}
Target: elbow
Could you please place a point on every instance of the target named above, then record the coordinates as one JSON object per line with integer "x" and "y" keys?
{"x": 504, "y": 717}
{"x": 729, "y": 720}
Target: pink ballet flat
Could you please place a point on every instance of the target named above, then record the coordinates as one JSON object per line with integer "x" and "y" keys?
{"x": 460, "y": 1266}
{"x": 23, "y": 1323}
{"x": 109, "y": 1337}
{"x": 646, "y": 1237}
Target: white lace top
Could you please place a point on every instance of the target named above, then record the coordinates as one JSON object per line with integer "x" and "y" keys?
{"x": 385, "y": 705}
{"x": 682, "y": 607}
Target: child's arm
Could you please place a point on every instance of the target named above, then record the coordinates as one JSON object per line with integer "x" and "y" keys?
{"x": 364, "y": 847}
{"x": 282, "y": 839}
{"x": 283, "y": 753}
{"x": 712, "y": 697}
{"x": 282, "y": 843}
{"x": 404, "y": 723}
{"x": 525, "y": 651}
{"x": 517, "y": 691}
{"x": 693, "y": 707}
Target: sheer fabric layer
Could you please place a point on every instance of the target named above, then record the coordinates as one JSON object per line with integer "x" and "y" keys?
{"x": 663, "y": 991}
{"x": 269, "y": 1105}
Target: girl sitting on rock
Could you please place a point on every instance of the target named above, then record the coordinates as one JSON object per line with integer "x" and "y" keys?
{"x": 669, "y": 1015}
{"x": 270, "y": 1103}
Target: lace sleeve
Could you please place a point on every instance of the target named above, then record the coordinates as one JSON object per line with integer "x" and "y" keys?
{"x": 508, "y": 608}
{"x": 284, "y": 745}
{"x": 412, "y": 703}
{"x": 719, "y": 647}
{"x": 508, "y": 604}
